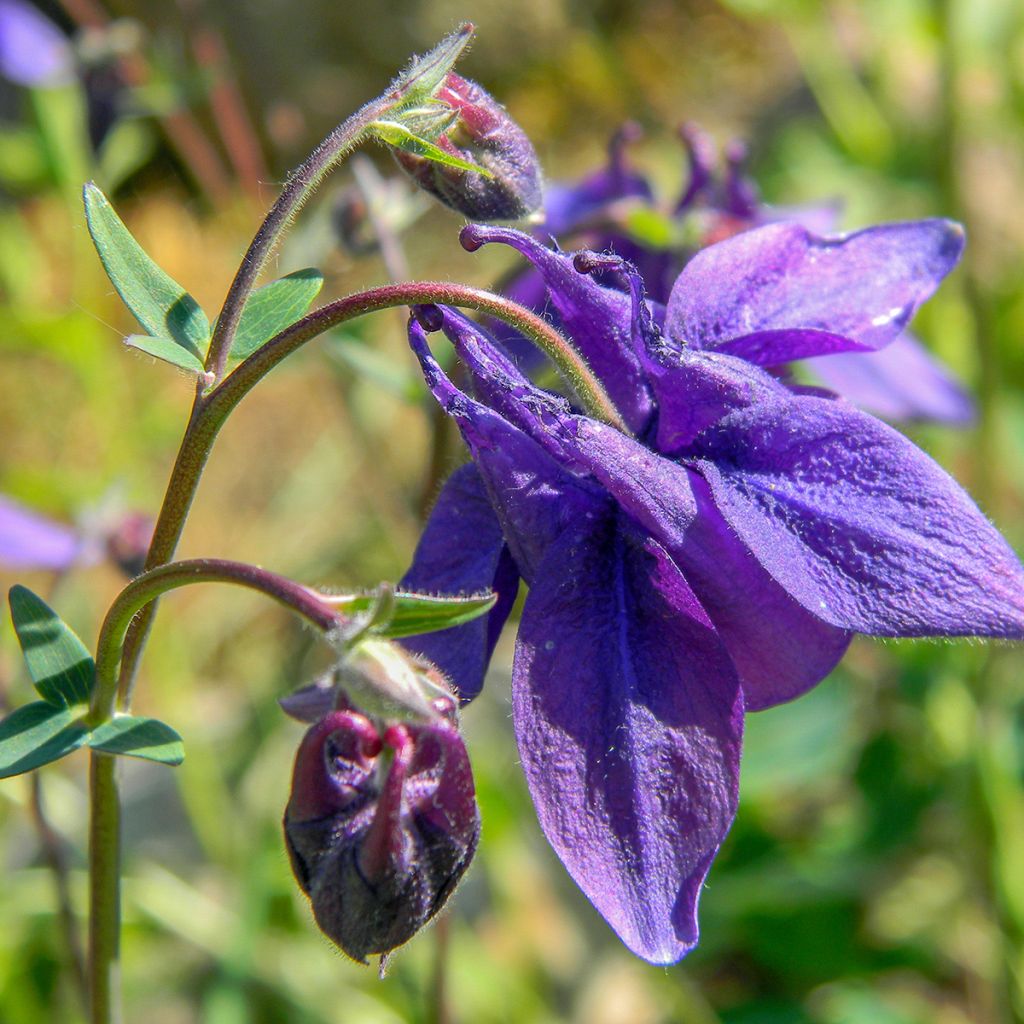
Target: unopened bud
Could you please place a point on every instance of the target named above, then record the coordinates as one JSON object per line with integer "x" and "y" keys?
{"x": 381, "y": 825}
{"x": 481, "y": 133}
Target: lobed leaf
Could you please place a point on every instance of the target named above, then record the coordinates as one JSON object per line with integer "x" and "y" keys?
{"x": 157, "y": 301}
{"x": 274, "y": 307}
{"x": 60, "y": 665}
{"x": 168, "y": 351}
{"x": 37, "y": 734}
{"x": 147, "y": 738}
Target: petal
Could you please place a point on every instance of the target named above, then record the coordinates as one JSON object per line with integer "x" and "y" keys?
{"x": 695, "y": 389}
{"x": 779, "y": 649}
{"x": 864, "y": 286}
{"x": 771, "y": 348}
{"x": 534, "y": 496}
{"x": 859, "y": 525}
{"x": 900, "y": 382}
{"x": 598, "y": 320}
{"x": 628, "y": 717}
{"x": 30, "y": 541}
{"x": 462, "y": 551}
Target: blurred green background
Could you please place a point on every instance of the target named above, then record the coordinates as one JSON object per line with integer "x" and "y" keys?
{"x": 875, "y": 874}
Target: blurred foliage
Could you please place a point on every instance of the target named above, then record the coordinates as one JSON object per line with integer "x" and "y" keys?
{"x": 875, "y": 874}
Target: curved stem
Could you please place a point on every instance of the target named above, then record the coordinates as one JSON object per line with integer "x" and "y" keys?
{"x": 568, "y": 361}
{"x": 150, "y": 585}
{"x": 104, "y": 800}
{"x": 349, "y": 134}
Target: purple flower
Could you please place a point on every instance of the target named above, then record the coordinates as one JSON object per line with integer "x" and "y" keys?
{"x": 33, "y": 51}
{"x": 381, "y": 825}
{"x": 714, "y": 204}
{"x": 717, "y": 561}
{"x": 31, "y": 541}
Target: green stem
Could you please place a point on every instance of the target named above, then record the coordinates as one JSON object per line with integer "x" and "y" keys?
{"x": 104, "y": 800}
{"x": 145, "y": 589}
{"x": 567, "y": 360}
{"x": 104, "y": 890}
{"x": 302, "y": 182}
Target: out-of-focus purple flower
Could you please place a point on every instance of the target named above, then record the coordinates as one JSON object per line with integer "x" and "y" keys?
{"x": 381, "y": 824}
{"x": 719, "y": 200}
{"x": 30, "y": 541}
{"x": 715, "y": 560}
{"x": 483, "y": 134}
{"x": 33, "y": 51}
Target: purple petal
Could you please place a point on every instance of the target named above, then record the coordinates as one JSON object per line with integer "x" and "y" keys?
{"x": 859, "y": 525}
{"x": 462, "y": 551}
{"x": 598, "y": 320}
{"x": 30, "y": 541}
{"x": 779, "y": 649}
{"x": 695, "y": 389}
{"x": 534, "y": 496}
{"x": 33, "y": 51}
{"x": 900, "y": 382}
{"x": 864, "y": 286}
{"x": 628, "y": 717}
{"x": 771, "y": 348}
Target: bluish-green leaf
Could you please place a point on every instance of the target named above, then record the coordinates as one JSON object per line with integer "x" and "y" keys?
{"x": 167, "y": 350}
{"x": 37, "y": 734}
{"x": 273, "y": 307}
{"x": 61, "y": 667}
{"x": 418, "y": 613}
{"x": 158, "y": 302}
{"x": 147, "y": 738}
{"x": 396, "y": 134}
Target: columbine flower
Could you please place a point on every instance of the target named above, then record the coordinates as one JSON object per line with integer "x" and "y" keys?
{"x": 382, "y": 821}
{"x": 900, "y": 381}
{"x": 716, "y": 562}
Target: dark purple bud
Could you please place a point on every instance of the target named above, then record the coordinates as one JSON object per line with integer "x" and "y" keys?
{"x": 381, "y": 825}
{"x": 483, "y": 134}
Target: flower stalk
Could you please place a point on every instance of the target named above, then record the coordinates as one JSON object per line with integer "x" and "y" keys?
{"x": 104, "y": 798}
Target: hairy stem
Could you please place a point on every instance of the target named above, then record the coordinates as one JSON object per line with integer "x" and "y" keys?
{"x": 349, "y": 134}
{"x": 568, "y": 361}
{"x": 104, "y": 800}
{"x": 150, "y": 585}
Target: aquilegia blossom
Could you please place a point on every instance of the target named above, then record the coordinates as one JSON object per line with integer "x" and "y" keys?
{"x": 714, "y": 560}
{"x": 899, "y": 380}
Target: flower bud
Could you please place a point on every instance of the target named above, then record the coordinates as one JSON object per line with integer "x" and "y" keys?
{"x": 381, "y": 825}
{"x": 482, "y": 133}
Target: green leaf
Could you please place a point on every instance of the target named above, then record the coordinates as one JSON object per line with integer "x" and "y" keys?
{"x": 418, "y": 613}
{"x": 37, "y": 734}
{"x": 169, "y": 351}
{"x": 159, "y": 303}
{"x": 61, "y": 667}
{"x": 395, "y": 134}
{"x": 147, "y": 738}
{"x": 273, "y": 307}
